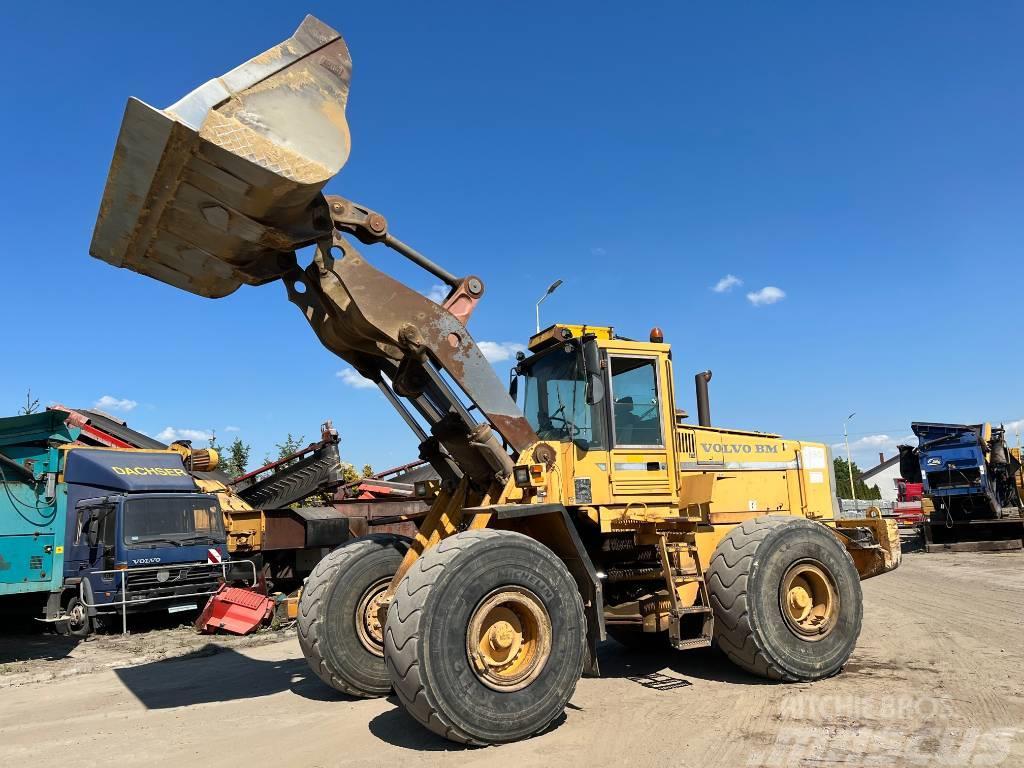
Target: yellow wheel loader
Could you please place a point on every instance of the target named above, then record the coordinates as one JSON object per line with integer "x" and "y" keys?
{"x": 577, "y": 506}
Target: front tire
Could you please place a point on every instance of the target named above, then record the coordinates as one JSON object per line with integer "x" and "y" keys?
{"x": 338, "y": 629}
{"x": 78, "y": 623}
{"x": 486, "y": 638}
{"x": 786, "y": 598}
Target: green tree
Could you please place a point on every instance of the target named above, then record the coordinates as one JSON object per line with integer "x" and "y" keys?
{"x": 31, "y": 405}
{"x": 290, "y": 445}
{"x": 864, "y": 491}
{"x": 236, "y": 458}
{"x": 349, "y": 473}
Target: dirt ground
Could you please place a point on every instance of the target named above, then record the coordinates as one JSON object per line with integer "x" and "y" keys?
{"x": 935, "y": 681}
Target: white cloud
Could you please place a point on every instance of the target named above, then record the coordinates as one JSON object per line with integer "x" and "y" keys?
{"x": 497, "y": 351}
{"x": 170, "y": 434}
{"x": 111, "y": 403}
{"x": 437, "y": 293}
{"x": 1013, "y": 427}
{"x": 351, "y": 378}
{"x": 232, "y": 429}
{"x": 767, "y": 295}
{"x": 726, "y": 284}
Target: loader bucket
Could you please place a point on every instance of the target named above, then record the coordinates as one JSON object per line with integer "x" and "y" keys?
{"x": 217, "y": 189}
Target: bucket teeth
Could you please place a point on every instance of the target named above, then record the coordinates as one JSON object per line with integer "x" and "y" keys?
{"x": 220, "y": 188}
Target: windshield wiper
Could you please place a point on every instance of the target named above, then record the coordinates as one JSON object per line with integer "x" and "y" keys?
{"x": 197, "y": 539}
{"x": 160, "y": 540}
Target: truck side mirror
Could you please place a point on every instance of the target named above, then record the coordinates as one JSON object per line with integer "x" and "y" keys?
{"x": 592, "y": 363}
{"x": 93, "y": 524}
{"x": 513, "y": 385}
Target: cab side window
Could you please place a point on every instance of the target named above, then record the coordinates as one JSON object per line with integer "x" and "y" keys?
{"x": 108, "y": 526}
{"x": 637, "y": 409}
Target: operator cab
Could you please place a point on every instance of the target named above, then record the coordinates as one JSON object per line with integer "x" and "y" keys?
{"x": 574, "y": 392}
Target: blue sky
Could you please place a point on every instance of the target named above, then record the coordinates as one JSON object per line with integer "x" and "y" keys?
{"x": 864, "y": 160}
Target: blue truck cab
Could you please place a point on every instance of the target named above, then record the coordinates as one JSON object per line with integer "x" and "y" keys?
{"x": 126, "y": 529}
{"x": 952, "y": 459}
{"x": 969, "y": 467}
{"x": 969, "y": 475}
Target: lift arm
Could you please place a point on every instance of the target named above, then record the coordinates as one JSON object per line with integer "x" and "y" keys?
{"x": 223, "y": 188}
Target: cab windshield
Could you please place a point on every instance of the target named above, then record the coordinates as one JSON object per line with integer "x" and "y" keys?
{"x": 175, "y": 520}
{"x": 555, "y": 400}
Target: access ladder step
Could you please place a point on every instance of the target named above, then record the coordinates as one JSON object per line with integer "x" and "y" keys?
{"x": 696, "y": 642}
{"x": 691, "y": 609}
{"x": 688, "y": 578}
{"x": 680, "y": 547}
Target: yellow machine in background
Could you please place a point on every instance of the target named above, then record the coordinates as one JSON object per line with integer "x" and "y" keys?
{"x": 244, "y": 525}
{"x": 286, "y": 543}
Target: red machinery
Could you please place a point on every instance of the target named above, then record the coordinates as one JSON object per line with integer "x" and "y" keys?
{"x": 908, "y": 507}
{"x": 235, "y": 610}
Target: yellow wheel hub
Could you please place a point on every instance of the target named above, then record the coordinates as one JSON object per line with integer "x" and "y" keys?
{"x": 508, "y": 639}
{"x": 368, "y": 625}
{"x": 809, "y": 600}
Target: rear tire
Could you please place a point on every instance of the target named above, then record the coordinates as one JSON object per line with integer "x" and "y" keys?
{"x": 478, "y": 587}
{"x": 786, "y": 598}
{"x": 336, "y": 604}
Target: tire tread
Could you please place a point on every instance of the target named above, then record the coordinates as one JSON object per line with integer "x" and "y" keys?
{"x": 310, "y": 603}
{"x": 403, "y": 625}
{"x": 727, "y": 585}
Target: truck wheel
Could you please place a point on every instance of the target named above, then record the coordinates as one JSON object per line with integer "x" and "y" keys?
{"x": 77, "y": 623}
{"x": 786, "y": 599}
{"x": 485, "y": 639}
{"x": 339, "y": 632}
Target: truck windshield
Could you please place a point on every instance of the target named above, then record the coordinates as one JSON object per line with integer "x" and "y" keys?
{"x": 555, "y": 401}
{"x": 172, "y": 519}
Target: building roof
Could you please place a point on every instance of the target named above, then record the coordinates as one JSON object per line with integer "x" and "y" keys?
{"x": 868, "y": 474}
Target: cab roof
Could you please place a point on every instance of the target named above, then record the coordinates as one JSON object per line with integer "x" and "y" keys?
{"x": 559, "y": 332}
{"x": 133, "y": 471}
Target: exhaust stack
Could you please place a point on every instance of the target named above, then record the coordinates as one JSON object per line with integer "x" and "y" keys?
{"x": 703, "y": 404}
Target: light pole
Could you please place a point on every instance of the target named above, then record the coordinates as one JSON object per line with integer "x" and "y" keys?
{"x": 849, "y": 462}
{"x": 548, "y": 292}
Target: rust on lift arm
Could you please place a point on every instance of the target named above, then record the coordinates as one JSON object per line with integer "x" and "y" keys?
{"x": 403, "y": 341}
{"x": 223, "y": 187}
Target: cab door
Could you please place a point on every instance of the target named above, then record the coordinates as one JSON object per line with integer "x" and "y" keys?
{"x": 642, "y": 463}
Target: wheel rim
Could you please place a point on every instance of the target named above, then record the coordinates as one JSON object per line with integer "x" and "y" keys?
{"x": 809, "y": 600}
{"x": 368, "y": 626}
{"x": 77, "y": 617}
{"x": 508, "y": 639}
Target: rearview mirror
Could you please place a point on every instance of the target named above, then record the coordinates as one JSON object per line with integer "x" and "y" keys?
{"x": 513, "y": 385}
{"x": 592, "y": 364}
{"x": 93, "y": 524}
